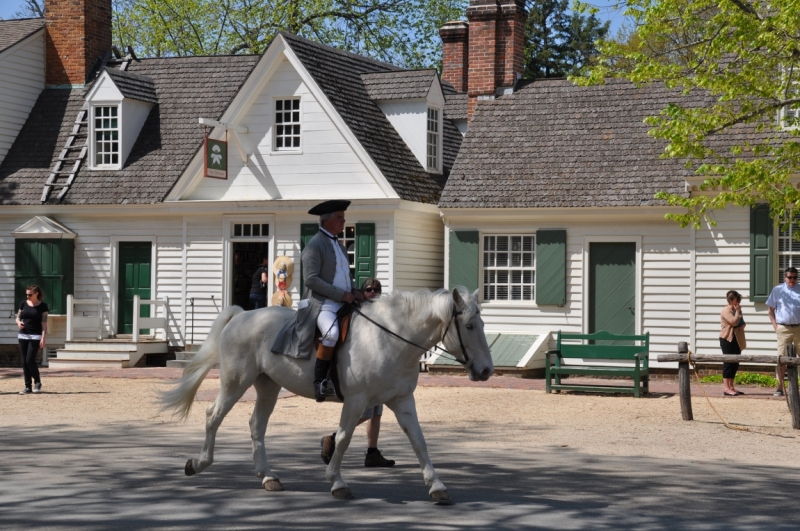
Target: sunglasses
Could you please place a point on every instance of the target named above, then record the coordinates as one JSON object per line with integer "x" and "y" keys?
{"x": 372, "y": 290}
{"x": 32, "y": 294}
{"x": 791, "y": 278}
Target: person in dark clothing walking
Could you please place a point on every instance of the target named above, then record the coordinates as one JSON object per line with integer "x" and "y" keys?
{"x": 32, "y": 324}
{"x": 258, "y": 287}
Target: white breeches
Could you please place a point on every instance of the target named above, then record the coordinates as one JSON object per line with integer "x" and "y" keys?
{"x": 326, "y": 321}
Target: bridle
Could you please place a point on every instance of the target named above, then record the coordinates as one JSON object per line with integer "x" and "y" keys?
{"x": 467, "y": 363}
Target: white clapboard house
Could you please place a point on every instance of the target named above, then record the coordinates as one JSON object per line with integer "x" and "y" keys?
{"x": 550, "y": 214}
{"x": 103, "y": 198}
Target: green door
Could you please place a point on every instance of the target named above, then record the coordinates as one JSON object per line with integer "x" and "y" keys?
{"x": 612, "y": 287}
{"x": 47, "y": 263}
{"x": 134, "y": 279}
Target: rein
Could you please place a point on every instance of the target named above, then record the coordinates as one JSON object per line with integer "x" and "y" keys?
{"x": 466, "y": 363}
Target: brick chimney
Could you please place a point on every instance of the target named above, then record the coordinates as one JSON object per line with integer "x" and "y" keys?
{"x": 495, "y": 43}
{"x": 78, "y": 35}
{"x": 455, "y": 53}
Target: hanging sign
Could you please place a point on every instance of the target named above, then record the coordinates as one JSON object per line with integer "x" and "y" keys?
{"x": 215, "y": 158}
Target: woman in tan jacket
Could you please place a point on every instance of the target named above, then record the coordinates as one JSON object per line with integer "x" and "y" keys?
{"x": 731, "y": 339}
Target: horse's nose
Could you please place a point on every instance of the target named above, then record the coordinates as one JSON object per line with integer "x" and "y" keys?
{"x": 485, "y": 373}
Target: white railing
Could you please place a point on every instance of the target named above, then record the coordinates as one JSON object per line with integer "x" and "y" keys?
{"x": 150, "y": 323}
{"x": 82, "y": 322}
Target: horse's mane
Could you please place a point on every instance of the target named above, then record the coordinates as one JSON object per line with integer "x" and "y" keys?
{"x": 425, "y": 304}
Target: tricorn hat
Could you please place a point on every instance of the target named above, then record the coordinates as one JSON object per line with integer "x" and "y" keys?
{"x": 326, "y": 207}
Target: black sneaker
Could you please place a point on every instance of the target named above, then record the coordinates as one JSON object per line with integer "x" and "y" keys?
{"x": 375, "y": 459}
{"x": 26, "y": 391}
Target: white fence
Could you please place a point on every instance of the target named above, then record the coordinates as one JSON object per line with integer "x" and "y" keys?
{"x": 83, "y": 322}
{"x": 150, "y": 323}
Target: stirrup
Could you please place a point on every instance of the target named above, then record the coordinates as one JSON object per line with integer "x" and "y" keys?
{"x": 327, "y": 388}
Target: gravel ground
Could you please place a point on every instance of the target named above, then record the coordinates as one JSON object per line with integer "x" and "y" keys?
{"x": 514, "y": 420}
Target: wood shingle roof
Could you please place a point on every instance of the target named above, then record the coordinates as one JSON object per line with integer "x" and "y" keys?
{"x": 555, "y": 144}
{"x": 13, "y": 31}
{"x": 187, "y": 88}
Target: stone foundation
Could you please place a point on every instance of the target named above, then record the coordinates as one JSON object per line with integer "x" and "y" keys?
{"x": 10, "y": 356}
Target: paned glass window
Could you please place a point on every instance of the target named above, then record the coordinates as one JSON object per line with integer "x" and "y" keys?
{"x": 106, "y": 136}
{"x": 348, "y": 239}
{"x": 433, "y": 139}
{"x": 788, "y": 246}
{"x": 287, "y": 125}
{"x": 508, "y": 267}
{"x": 250, "y": 230}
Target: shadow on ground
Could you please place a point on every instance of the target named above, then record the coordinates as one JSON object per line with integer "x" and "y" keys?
{"x": 130, "y": 476}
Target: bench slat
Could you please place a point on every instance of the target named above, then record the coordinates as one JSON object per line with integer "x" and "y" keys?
{"x": 593, "y": 388}
{"x": 610, "y": 371}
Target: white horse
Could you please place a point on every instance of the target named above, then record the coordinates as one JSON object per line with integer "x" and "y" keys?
{"x": 374, "y": 367}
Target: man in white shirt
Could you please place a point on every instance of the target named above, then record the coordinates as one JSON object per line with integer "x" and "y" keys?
{"x": 784, "y": 313}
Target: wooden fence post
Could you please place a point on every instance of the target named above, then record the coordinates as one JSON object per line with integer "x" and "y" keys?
{"x": 684, "y": 383}
{"x": 793, "y": 396}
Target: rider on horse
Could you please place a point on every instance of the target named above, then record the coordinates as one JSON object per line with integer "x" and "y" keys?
{"x": 326, "y": 276}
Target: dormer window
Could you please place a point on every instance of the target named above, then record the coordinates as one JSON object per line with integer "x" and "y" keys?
{"x": 790, "y": 118}
{"x": 119, "y": 103}
{"x": 433, "y": 139}
{"x": 106, "y": 136}
{"x": 287, "y": 125}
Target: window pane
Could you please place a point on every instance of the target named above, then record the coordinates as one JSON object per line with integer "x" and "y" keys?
{"x": 237, "y": 229}
{"x": 256, "y": 230}
{"x": 265, "y": 229}
{"x": 246, "y": 229}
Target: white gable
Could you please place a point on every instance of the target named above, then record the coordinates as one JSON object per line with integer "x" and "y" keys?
{"x": 104, "y": 90}
{"x": 330, "y": 162}
{"x": 43, "y": 227}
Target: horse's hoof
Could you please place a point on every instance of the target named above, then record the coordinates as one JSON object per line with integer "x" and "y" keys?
{"x": 189, "y": 469}
{"x": 441, "y": 497}
{"x": 343, "y": 494}
{"x": 273, "y": 485}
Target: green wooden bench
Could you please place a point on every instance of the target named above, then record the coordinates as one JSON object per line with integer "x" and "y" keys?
{"x": 584, "y": 346}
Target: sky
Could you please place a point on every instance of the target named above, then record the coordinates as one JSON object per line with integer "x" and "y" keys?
{"x": 607, "y": 12}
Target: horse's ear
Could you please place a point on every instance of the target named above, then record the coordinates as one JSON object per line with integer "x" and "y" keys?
{"x": 475, "y": 294}
{"x": 457, "y": 298}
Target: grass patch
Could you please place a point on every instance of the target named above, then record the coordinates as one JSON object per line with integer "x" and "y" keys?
{"x": 745, "y": 378}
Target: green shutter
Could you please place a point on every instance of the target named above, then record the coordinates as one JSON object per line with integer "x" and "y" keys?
{"x": 464, "y": 262}
{"x": 48, "y": 263}
{"x": 307, "y": 231}
{"x": 365, "y": 252}
{"x": 551, "y": 267}
{"x": 761, "y": 253}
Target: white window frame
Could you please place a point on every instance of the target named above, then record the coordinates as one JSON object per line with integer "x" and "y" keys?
{"x": 343, "y": 239}
{"x": 275, "y": 148}
{"x": 794, "y": 260}
{"x": 482, "y": 268}
{"x": 438, "y": 162}
{"x": 93, "y": 144}
{"x": 227, "y": 249}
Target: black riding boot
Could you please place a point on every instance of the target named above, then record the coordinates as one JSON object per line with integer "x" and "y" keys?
{"x": 320, "y": 375}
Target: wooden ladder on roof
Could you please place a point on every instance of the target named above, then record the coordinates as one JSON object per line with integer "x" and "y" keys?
{"x": 77, "y": 145}
{"x": 71, "y": 157}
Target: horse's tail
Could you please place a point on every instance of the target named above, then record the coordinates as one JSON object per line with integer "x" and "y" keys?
{"x": 180, "y": 398}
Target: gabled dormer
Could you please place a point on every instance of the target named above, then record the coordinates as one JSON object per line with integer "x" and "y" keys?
{"x": 413, "y": 102}
{"x": 119, "y": 103}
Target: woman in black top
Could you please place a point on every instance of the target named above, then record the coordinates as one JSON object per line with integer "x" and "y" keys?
{"x": 32, "y": 324}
